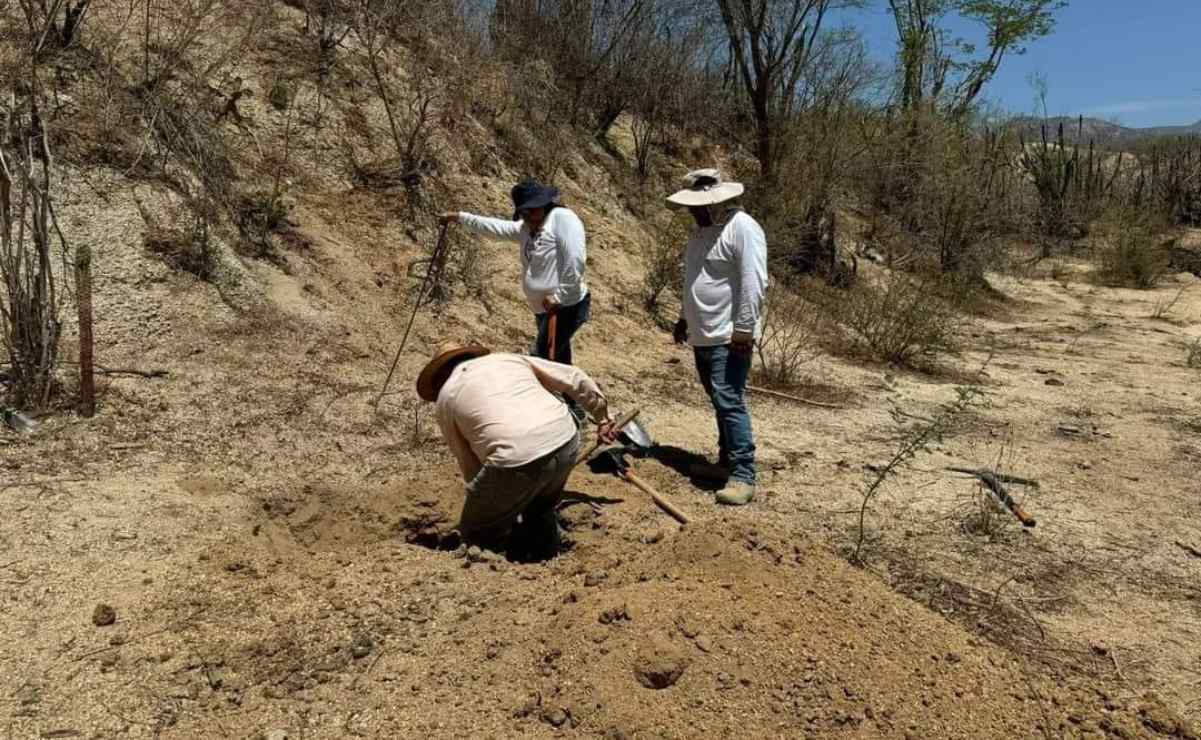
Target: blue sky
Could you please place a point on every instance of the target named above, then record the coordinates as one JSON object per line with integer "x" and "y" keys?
{"x": 1137, "y": 62}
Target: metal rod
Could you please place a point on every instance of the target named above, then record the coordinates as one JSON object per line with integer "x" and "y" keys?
{"x": 434, "y": 267}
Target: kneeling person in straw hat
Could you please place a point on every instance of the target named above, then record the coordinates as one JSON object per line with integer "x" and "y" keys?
{"x": 725, "y": 279}
{"x": 515, "y": 442}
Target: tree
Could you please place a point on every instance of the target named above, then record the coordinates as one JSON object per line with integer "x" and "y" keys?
{"x": 940, "y": 71}
{"x": 771, "y": 47}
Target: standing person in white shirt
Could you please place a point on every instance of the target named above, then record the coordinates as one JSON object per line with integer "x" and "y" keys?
{"x": 553, "y": 257}
{"x": 725, "y": 280}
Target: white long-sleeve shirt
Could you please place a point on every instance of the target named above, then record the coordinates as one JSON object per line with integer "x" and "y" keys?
{"x": 552, "y": 258}
{"x": 725, "y": 280}
{"x": 498, "y": 410}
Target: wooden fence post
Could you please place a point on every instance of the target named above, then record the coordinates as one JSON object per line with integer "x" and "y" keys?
{"x": 83, "y": 291}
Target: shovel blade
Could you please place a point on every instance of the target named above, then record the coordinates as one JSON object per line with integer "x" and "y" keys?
{"x": 635, "y": 435}
{"x": 18, "y": 422}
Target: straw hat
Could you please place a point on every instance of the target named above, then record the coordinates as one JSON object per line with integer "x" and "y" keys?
{"x": 445, "y": 354}
{"x": 704, "y": 188}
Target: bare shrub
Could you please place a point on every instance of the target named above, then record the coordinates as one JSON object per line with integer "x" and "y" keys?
{"x": 1131, "y": 254}
{"x": 1193, "y": 354}
{"x": 899, "y": 318}
{"x": 663, "y": 257}
{"x": 1165, "y": 306}
{"x": 29, "y": 239}
{"x": 412, "y": 109}
{"x": 791, "y": 340}
{"x": 190, "y": 250}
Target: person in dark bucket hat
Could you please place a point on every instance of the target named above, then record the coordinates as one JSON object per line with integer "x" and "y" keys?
{"x": 528, "y": 195}
{"x": 553, "y": 259}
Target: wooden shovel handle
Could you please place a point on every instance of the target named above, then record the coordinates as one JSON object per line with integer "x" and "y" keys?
{"x": 621, "y": 422}
{"x": 552, "y": 328}
{"x": 1022, "y": 515}
{"x": 661, "y": 502}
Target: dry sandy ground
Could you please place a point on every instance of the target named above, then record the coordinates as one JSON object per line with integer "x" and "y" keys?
{"x": 261, "y": 534}
{"x": 261, "y": 530}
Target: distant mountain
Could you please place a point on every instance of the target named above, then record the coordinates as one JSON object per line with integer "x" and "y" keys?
{"x": 1102, "y": 132}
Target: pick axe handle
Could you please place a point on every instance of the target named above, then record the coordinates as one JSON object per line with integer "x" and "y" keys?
{"x": 552, "y": 329}
{"x": 661, "y": 502}
{"x": 621, "y": 422}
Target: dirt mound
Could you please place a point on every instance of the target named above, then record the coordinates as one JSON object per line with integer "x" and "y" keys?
{"x": 720, "y": 628}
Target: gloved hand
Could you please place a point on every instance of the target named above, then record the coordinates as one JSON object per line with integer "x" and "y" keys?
{"x": 679, "y": 333}
{"x": 743, "y": 342}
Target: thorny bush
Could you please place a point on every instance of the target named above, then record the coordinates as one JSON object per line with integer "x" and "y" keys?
{"x": 900, "y": 317}
{"x": 791, "y": 337}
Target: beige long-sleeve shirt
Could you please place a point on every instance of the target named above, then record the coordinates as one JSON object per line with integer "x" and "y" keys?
{"x": 498, "y": 410}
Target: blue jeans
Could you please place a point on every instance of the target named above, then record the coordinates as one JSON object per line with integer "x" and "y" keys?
{"x": 724, "y": 374}
{"x": 569, "y": 321}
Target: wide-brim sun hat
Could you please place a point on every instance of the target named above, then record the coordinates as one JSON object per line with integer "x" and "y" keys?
{"x": 532, "y": 194}
{"x": 445, "y": 354}
{"x": 705, "y": 188}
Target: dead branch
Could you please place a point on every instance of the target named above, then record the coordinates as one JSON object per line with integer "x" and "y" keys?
{"x": 1189, "y": 549}
{"x": 158, "y": 373}
{"x": 790, "y": 397}
{"x": 993, "y": 482}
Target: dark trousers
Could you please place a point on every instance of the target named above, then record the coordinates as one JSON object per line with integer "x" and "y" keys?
{"x": 724, "y": 373}
{"x": 568, "y": 322}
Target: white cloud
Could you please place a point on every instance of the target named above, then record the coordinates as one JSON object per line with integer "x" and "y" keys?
{"x": 1144, "y": 106}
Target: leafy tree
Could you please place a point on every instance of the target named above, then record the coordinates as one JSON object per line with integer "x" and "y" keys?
{"x": 938, "y": 70}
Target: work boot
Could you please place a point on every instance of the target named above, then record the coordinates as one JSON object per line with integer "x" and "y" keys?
{"x": 709, "y": 471}
{"x": 736, "y": 493}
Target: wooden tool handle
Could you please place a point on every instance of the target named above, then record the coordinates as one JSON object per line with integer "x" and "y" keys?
{"x": 552, "y": 328}
{"x": 661, "y": 502}
{"x": 1023, "y": 517}
{"x": 621, "y": 422}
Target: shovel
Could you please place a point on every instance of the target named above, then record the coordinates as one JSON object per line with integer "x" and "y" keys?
{"x": 17, "y": 421}
{"x": 613, "y": 459}
{"x": 635, "y": 440}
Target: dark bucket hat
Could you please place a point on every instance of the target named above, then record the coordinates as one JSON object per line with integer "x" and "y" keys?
{"x": 532, "y": 194}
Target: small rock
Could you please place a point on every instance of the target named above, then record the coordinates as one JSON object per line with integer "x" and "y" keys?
{"x": 104, "y": 615}
{"x": 703, "y": 643}
{"x": 652, "y": 538}
{"x": 595, "y": 578}
{"x": 660, "y": 667}
{"x": 276, "y": 735}
{"x": 688, "y": 630}
{"x": 475, "y": 554}
{"x": 109, "y": 659}
{"x": 1053, "y": 382}
{"x": 361, "y": 649}
{"x": 275, "y": 692}
{"x": 555, "y": 717}
{"x": 615, "y": 614}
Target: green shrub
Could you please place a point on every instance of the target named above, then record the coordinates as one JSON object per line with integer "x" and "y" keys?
{"x": 1131, "y": 254}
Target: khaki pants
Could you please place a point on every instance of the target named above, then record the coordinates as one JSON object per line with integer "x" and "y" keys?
{"x": 497, "y": 496}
